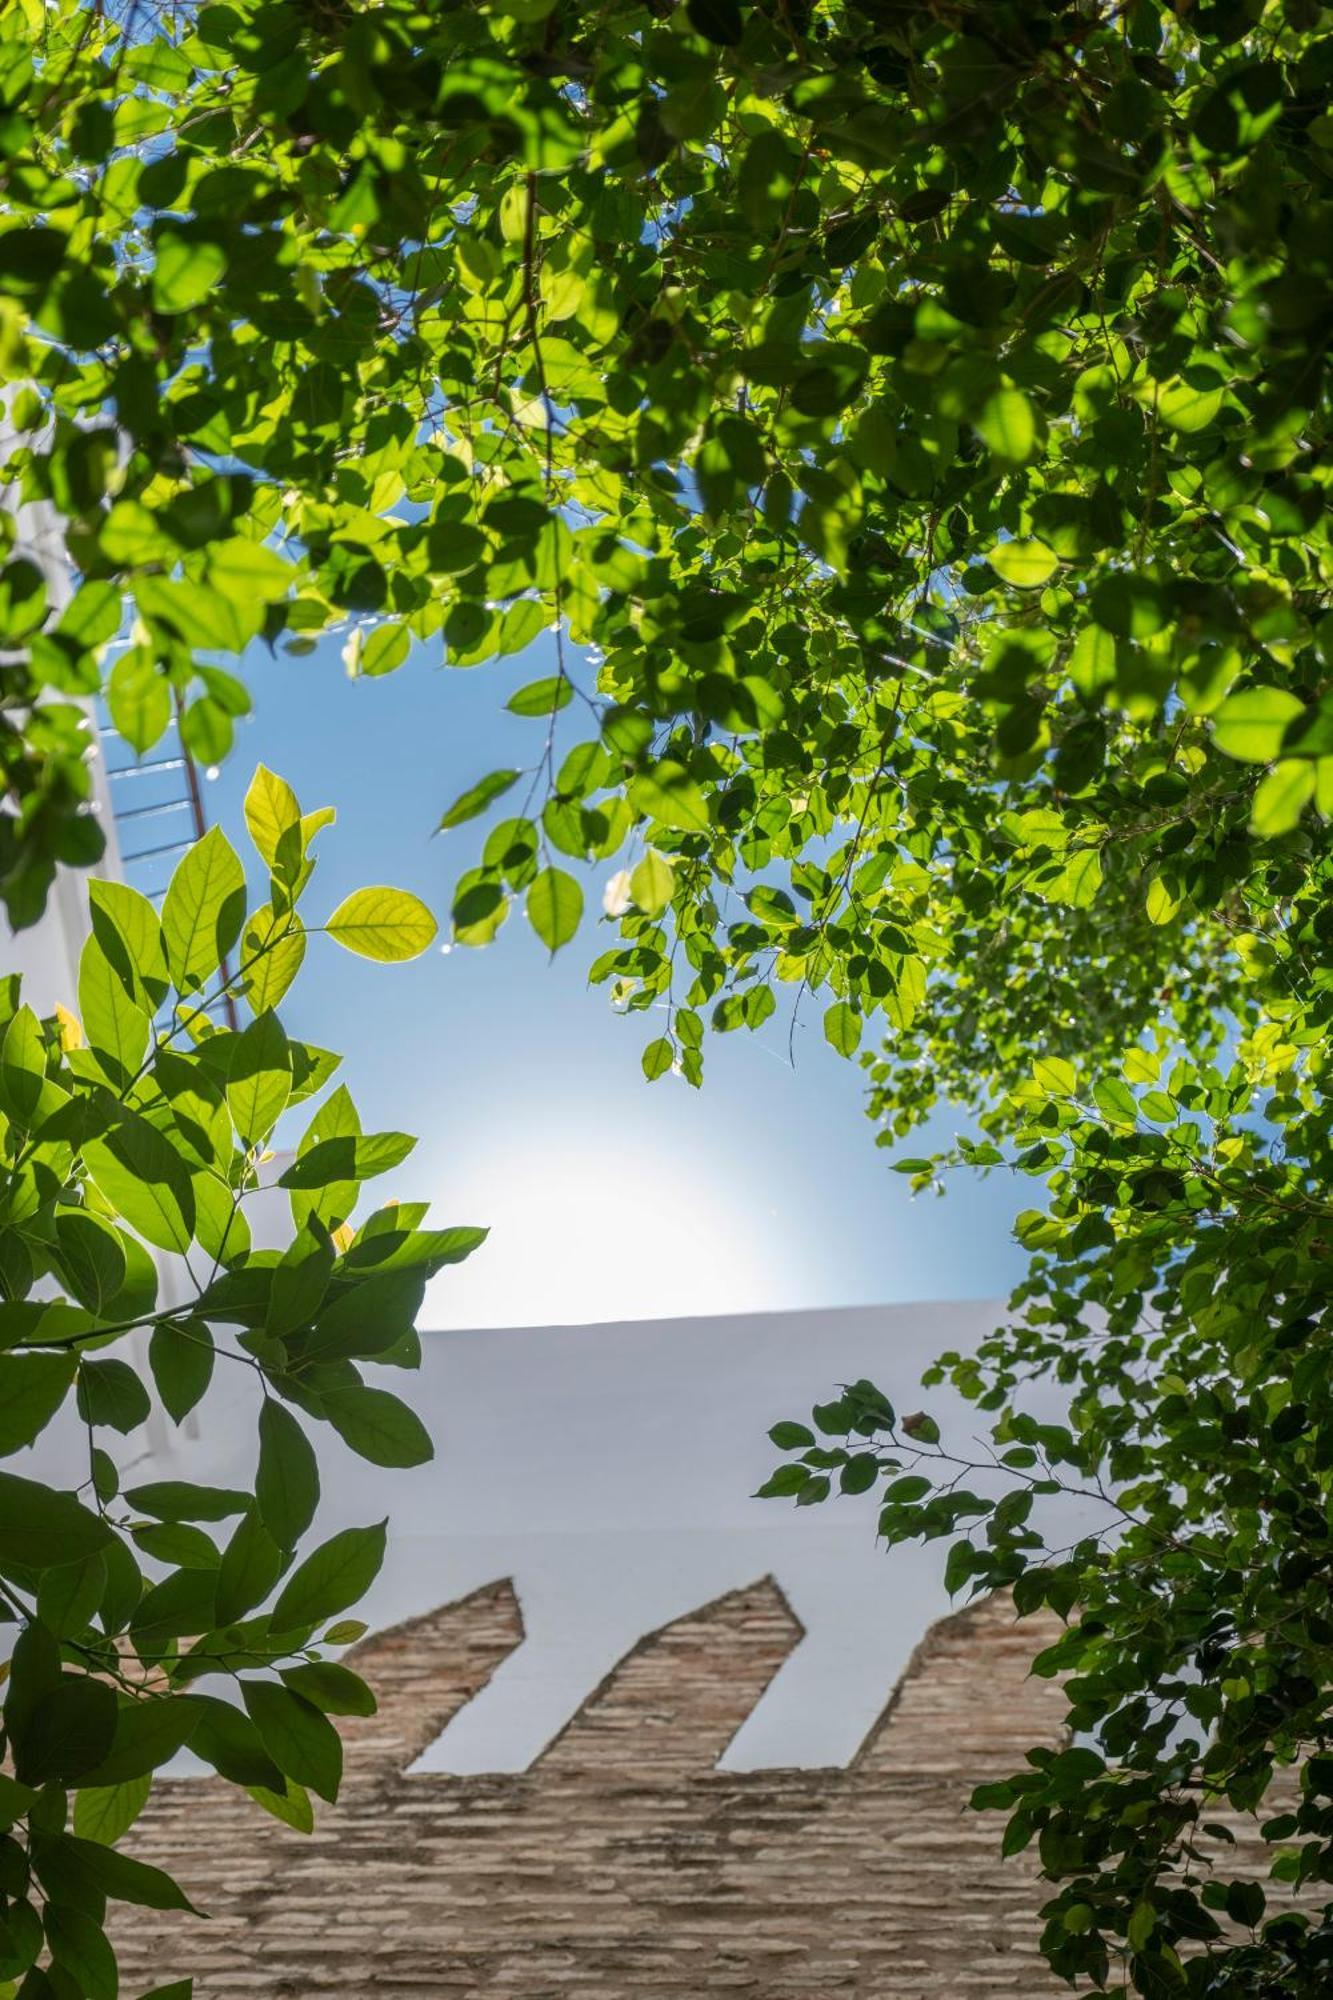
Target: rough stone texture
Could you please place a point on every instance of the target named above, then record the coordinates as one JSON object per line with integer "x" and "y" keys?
{"x": 623, "y": 1865}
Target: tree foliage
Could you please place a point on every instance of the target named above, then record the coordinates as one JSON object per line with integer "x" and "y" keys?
{"x": 911, "y": 420}
{"x": 140, "y": 1126}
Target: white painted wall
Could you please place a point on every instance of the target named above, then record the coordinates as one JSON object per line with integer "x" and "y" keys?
{"x": 609, "y": 1471}
{"x": 47, "y": 954}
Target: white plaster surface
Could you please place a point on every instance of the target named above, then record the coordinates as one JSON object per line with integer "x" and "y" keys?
{"x": 608, "y": 1470}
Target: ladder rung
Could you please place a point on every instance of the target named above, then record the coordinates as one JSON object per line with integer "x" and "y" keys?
{"x": 147, "y": 812}
{"x": 168, "y": 847}
{"x": 140, "y": 770}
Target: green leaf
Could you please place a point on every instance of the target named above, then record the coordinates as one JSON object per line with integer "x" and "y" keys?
{"x": 717, "y": 21}
{"x": 386, "y": 924}
{"x": 378, "y": 1426}
{"x": 244, "y": 569}
{"x": 658, "y": 1058}
{"x": 92, "y": 1258}
{"x": 842, "y": 1028}
{"x": 1079, "y": 881}
{"x": 127, "y": 1880}
{"x": 1055, "y": 1076}
{"x": 301, "y": 1741}
{"x": 138, "y": 699}
{"x": 1160, "y": 902}
{"x": 1283, "y": 794}
{"x": 104, "y": 1813}
{"x": 126, "y": 926}
{"x": 186, "y": 271}
{"x": 144, "y": 1179}
{"x": 334, "y": 1577}
{"x": 41, "y": 1528}
{"x": 22, "y": 1067}
{"x": 204, "y": 910}
{"x": 68, "y": 1598}
{"x": 68, "y": 1732}
{"x": 1116, "y": 1101}
{"x": 1141, "y": 1925}
{"x": 335, "y": 1198}
{"x": 291, "y": 1806}
{"x": 175, "y": 1542}
{"x": 272, "y": 953}
{"x": 1006, "y": 424}
{"x": 554, "y": 906}
{"x": 32, "y": 1388}
{"x": 271, "y": 811}
{"x": 474, "y": 801}
{"x": 148, "y": 1733}
{"x": 1187, "y": 405}
{"x": 347, "y": 1158}
{"x": 669, "y": 795}
{"x": 183, "y": 1604}
{"x": 331, "y": 1687}
{"x": 1250, "y": 725}
{"x": 251, "y": 1564}
{"x": 181, "y": 1356}
{"x": 173, "y": 1500}
{"x": 111, "y": 1394}
{"x": 366, "y": 1319}
{"x": 287, "y": 1481}
{"x": 228, "y": 1740}
{"x": 300, "y": 1280}
{"x": 80, "y": 1947}
{"x": 542, "y": 697}
{"x": 383, "y": 650}
{"x": 116, "y": 1028}
{"x": 651, "y": 883}
{"x": 1027, "y": 564}
{"x": 259, "y": 1079}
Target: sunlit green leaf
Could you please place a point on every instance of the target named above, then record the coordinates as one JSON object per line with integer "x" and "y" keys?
{"x": 386, "y": 924}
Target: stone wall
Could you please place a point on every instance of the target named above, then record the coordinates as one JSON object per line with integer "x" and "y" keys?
{"x": 622, "y": 1864}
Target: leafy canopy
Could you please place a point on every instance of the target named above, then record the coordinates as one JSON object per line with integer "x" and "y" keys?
{"x": 912, "y": 422}
{"x": 134, "y": 1140}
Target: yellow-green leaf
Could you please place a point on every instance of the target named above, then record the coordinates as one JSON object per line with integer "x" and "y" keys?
{"x": 386, "y": 924}
{"x": 1006, "y": 423}
{"x": 842, "y": 1028}
{"x": 138, "y": 699}
{"x": 1161, "y": 903}
{"x": 186, "y": 271}
{"x": 1055, "y": 1075}
{"x": 1282, "y": 797}
{"x": 1250, "y": 725}
{"x": 203, "y": 911}
{"x": 1027, "y": 564}
{"x": 651, "y": 882}
{"x": 259, "y": 1081}
{"x": 555, "y": 905}
{"x": 272, "y": 952}
{"x": 1189, "y": 406}
{"x": 668, "y": 793}
{"x": 115, "y": 1026}
{"x": 477, "y": 797}
{"x": 271, "y": 807}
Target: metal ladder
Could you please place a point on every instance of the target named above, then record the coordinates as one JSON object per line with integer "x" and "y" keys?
{"x": 163, "y": 787}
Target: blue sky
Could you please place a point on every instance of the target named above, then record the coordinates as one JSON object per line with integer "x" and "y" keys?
{"x": 607, "y": 1197}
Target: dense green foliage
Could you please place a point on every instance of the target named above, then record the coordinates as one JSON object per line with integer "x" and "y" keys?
{"x": 912, "y": 420}
{"x": 140, "y": 1127}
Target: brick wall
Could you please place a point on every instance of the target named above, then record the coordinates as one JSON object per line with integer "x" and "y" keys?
{"x": 623, "y": 1864}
